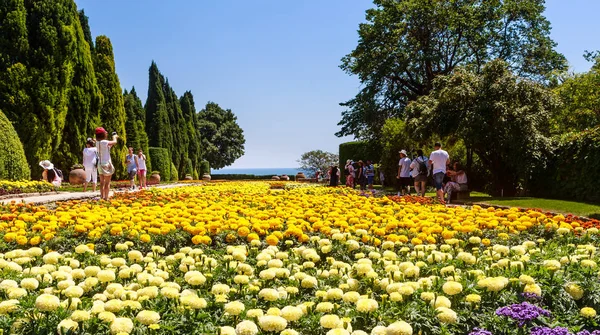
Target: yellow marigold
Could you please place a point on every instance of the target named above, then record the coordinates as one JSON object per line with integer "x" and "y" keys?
{"x": 330, "y": 321}
{"x": 574, "y": 290}
{"x": 47, "y": 302}
{"x": 399, "y": 328}
{"x": 588, "y": 312}
{"x": 452, "y": 288}
{"x": 366, "y": 305}
{"x": 272, "y": 323}
{"x": 67, "y": 326}
{"x": 9, "y": 306}
{"x": 121, "y": 325}
{"x": 145, "y": 238}
{"x": 246, "y": 327}
{"x": 234, "y": 308}
{"x": 147, "y": 318}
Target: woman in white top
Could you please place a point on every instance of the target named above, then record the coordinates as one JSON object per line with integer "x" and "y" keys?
{"x": 459, "y": 176}
{"x": 419, "y": 170}
{"x": 90, "y": 162}
{"x": 105, "y": 166}
{"x": 141, "y": 163}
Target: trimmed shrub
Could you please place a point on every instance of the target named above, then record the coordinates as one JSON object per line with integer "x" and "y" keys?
{"x": 204, "y": 168}
{"x": 174, "y": 174}
{"x": 160, "y": 160}
{"x": 13, "y": 164}
{"x": 571, "y": 168}
{"x": 358, "y": 150}
{"x": 189, "y": 168}
{"x": 241, "y": 177}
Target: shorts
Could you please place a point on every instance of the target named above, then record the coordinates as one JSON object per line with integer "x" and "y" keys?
{"x": 422, "y": 178}
{"x": 91, "y": 174}
{"x": 132, "y": 174}
{"x": 370, "y": 180}
{"x": 405, "y": 182}
{"x": 438, "y": 180}
{"x": 142, "y": 172}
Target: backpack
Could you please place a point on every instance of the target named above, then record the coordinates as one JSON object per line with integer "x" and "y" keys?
{"x": 58, "y": 177}
{"x": 59, "y": 173}
{"x": 422, "y": 167}
{"x": 346, "y": 171}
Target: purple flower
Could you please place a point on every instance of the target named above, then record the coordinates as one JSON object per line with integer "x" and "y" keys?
{"x": 587, "y": 332}
{"x": 523, "y": 313}
{"x": 530, "y": 296}
{"x": 550, "y": 331}
{"x": 479, "y": 331}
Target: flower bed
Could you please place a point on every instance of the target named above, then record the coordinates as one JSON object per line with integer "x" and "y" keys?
{"x": 18, "y": 187}
{"x": 236, "y": 258}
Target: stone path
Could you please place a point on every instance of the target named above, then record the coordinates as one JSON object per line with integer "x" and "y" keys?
{"x": 64, "y": 196}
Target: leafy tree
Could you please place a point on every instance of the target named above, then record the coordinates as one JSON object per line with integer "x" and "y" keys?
{"x": 112, "y": 113}
{"x": 191, "y": 123}
{"x": 222, "y": 138}
{"x": 158, "y": 126}
{"x": 503, "y": 118}
{"x": 406, "y": 44}
{"x": 13, "y": 165}
{"x": 134, "y": 123}
{"x": 317, "y": 160}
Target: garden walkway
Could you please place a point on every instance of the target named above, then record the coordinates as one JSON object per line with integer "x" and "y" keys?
{"x": 65, "y": 196}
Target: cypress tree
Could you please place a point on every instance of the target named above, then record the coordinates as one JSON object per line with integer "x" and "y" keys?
{"x": 112, "y": 113}
{"x": 179, "y": 151}
{"x": 85, "y": 26}
{"x": 158, "y": 126}
{"x": 134, "y": 123}
{"x": 191, "y": 121}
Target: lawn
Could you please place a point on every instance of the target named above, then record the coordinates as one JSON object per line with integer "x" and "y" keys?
{"x": 553, "y": 205}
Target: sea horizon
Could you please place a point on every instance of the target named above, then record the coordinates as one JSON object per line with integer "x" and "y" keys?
{"x": 258, "y": 171}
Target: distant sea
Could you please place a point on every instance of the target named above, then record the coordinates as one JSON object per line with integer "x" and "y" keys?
{"x": 258, "y": 171}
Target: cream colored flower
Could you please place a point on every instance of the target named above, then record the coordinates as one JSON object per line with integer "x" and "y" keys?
{"x": 366, "y": 305}
{"x": 234, "y": 307}
{"x": 147, "y": 318}
{"x": 399, "y": 328}
{"x": 246, "y": 327}
{"x": 452, "y": 288}
{"x": 330, "y": 321}
{"x": 67, "y": 325}
{"x": 121, "y": 325}
{"x": 47, "y": 303}
{"x": 272, "y": 323}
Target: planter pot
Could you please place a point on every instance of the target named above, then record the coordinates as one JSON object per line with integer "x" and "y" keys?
{"x": 77, "y": 176}
{"x": 284, "y": 177}
{"x": 206, "y": 177}
{"x": 154, "y": 178}
{"x": 275, "y": 178}
{"x": 300, "y": 175}
{"x": 188, "y": 177}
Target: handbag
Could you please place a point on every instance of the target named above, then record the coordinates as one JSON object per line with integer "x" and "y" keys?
{"x": 106, "y": 168}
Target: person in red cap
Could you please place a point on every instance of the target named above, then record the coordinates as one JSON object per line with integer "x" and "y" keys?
{"x": 105, "y": 165}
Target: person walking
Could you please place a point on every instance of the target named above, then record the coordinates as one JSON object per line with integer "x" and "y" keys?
{"x": 334, "y": 175}
{"x": 438, "y": 159}
{"x": 132, "y": 168}
{"x": 370, "y": 174}
{"x": 361, "y": 179}
{"x": 105, "y": 166}
{"x": 404, "y": 173}
{"x": 349, "y": 170}
{"x": 141, "y": 164}
{"x": 420, "y": 172}
{"x": 90, "y": 163}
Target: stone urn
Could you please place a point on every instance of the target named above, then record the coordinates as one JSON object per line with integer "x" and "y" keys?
{"x": 77, "y": 175}
{"x": 188, "y": 177}
{"x": 154, "y": 177}
{"x": 300, "y": 175}
{"x": 275, "y": 178}
{"x": 284, "y": 177}
{"x": 206, "y": 177}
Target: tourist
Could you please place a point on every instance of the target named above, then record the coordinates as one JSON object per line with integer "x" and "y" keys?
{"x": 90, "y": 162}
{"x": 50, "y": 174}
{"x": 105, "y": 165}
{"x": 404, "y": 173}
{"x": 132, "y": 167}
{"x": 381, "y": 176}
{"x": 420, "y": 172}
{"x": 458, "y": 181}
{"x": 334, "y": 175}
{"x": 349, "y": 170}
{"x": 438, "y": 160}
{"x": 361, "y": 179}
{"x": 370, "y": 173}
{"x": 141, "y": 163}
{"x": 317, "y": 174}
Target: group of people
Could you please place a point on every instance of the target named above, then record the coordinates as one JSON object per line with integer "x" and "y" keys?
{"x": 97, "y": 161}
{"x": 359, "y": 173}
{"x": 447, "y": 178}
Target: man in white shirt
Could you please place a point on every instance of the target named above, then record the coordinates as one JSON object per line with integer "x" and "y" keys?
{"x": 438, "y": 160}
{"x": 404, "y": 173}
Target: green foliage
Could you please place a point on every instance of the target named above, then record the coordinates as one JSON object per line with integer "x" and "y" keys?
{"x": 13, "y": 164}
{"x": 189, "y": 169}
{"x": 394, "y": 138}
{"x": 222, "y": 138}
{"x": 161, "y": 161}
{"x": 571, "y": 168}
{"x": 204, "y": 168}
{"x": 358, "y": 150}
{"x": 501, "y": 117}
{"x": 85, "y": 27}
{"x": 406, "y": 44}
{"x": 317, "y": 160}
{"x": 112, "y": 113}
{"x": 158, "y": 126}
{"x": 241, "y": 177}
{"x": 191, "y": 127}
{"x": 135, "y": 123}
{"x": 174, "y": 174}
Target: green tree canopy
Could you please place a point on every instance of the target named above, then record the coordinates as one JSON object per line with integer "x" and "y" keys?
{"x": 191, "y": 127}
{"x": 317, "y": 160}
{"x": 158, "y": 126}
{"x": 503, "y": 118}
{"x": 222, "y": 138}
{"x": 134, "y": 122}
{"x": 112, "y": 113}
{"x": 406, "y": 44}
{"x": 13, "y": 164}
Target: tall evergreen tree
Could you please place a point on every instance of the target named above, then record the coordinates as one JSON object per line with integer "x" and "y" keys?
{"x": 112, "y": 113}
{"x": 158, "y": 126}
{"x": 134, "y": 122}
{"x": 179, "y": 151}
{"x": 85, "y": 26}
{"x": 191, "y": 120}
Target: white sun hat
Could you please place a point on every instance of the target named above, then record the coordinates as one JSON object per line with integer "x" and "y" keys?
{"x": 47, "y": 165}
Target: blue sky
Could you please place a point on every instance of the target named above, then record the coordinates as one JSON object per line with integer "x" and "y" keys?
{"x": 274, "y": 63}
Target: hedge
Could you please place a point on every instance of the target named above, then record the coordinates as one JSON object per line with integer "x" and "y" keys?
{"x": 571, "y": 169}
{"x": 160, "y": 160}
{"x": 358, "y": 150}
{"x": 204, "y": 168}
{"x": 242, "y": 177}
{"x": 174, "y": 174}
{"x": 13, "y": 164}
